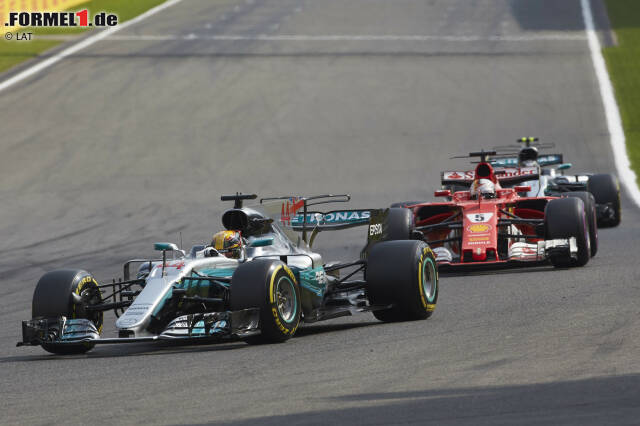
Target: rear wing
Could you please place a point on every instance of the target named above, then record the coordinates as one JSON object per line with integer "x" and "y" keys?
{"x": 503, "y": 174}
{"x": 300, "y": 218}
{"x": 297, "y": 216}
{"x": 550, "y": 159}
{"x": 543, "y": 160}
{"x": 332, "y": 220}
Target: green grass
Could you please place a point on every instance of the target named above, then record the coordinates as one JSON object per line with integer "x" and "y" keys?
{"x": 623, "y": 62}
{"x": 13, "y": 52}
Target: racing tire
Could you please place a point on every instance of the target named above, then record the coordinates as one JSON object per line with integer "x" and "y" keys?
{"x": 592, "y": 220}
{"x": 271, "y": 286}
{"x": 565, "y": 218}
{"x": 606, "y": 190}
{"x": 403, "y": 274}
{"x": 53, "y": 299}
{"x": 399, "y": 225}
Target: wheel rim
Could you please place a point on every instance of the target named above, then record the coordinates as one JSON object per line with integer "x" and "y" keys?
{"x": 90, "y": 296}
{"x": 429, "y": 284}
{"x": 286, "y": 299}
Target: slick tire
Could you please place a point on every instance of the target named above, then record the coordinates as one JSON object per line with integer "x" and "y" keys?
{"x": 402, "y": 274}
{"x": 53, "y": 298}
{"x": 606, "y": 190}
{"x": 592, "y": 221}
{"x": 399, "y": 224}
{"x": 565, "y": 218}
{"x": 271, "y": 286}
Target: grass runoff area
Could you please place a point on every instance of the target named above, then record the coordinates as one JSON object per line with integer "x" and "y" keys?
{"x": 13, "y": 52}
{"x": 623, "y": 62}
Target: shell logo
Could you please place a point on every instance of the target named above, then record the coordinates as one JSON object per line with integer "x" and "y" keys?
{"x": 479, "y": 227}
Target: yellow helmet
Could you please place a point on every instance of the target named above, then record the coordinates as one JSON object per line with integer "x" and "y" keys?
{"x": 228, "y": 243}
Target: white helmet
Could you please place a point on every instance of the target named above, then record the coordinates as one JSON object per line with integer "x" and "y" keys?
{"x": 484, "y": 187}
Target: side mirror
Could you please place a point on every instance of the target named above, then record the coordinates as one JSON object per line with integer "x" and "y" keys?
{"x": 443, "y": 193}
{"x": 165, "y": 246}
{"x": 564, "y": 166}
{"x": 261, "y": 242}
{"x": 522, "y": 188}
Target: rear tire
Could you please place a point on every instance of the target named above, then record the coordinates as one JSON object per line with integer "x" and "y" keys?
{"x": 271, "y": 286}
{"x": 590, "y": 213}
{"x": 606, "y": 190}
{"x": 403, "y": 274}
{"x": 565, "y": 218}
{"x": 52, "y": 299}
{"x": 399, "y": 224}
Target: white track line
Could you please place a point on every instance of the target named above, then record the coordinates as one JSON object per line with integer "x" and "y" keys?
{"x": 614, "y": 122}
{"x": 345, "y": 37}
{"x": 81, "y": 45}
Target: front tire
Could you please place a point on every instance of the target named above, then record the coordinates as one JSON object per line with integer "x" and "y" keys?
{"x": 402, "y": 274}
{"x": 271, "y": 286}
{"x": 53, "y": 298}
{"x": 590, "y": 213}
{"x": 565, "y": 218}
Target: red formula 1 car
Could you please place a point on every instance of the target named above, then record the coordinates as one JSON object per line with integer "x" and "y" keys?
{"x": 486, "y": 224}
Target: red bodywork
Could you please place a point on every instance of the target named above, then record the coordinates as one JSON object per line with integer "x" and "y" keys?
{"x": 469, "y": 228}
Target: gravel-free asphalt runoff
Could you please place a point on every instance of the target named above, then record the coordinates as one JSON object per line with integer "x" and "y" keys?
{"x": 133, "y": 139}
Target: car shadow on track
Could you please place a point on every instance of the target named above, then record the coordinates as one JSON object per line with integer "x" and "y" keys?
{"x": 171, "y": 348}
{"x": 503, "y": 271}
{"x": 320, "y": 328}
{"x": 132, "y": 349}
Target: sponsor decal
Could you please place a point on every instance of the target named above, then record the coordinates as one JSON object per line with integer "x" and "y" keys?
{"x": 459, "y": 175}
{"x": 333, "y": 217}
{"x": 477, "y": 228}
{"x": 321, "y": 277}
{"x": 479, "y": 217}
{"x": 375, "y": 229}
{"x": 501, "y": 173}
{"x": 510, "y": 172}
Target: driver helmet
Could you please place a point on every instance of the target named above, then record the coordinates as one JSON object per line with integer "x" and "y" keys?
{"x": 528, "y": 156}
{"x": 228, "y": 243}
{"x": 483, "y": 187}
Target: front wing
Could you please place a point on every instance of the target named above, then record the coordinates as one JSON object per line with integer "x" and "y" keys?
{"x": 519, "y": 254}
{"x": 210, "y": 326}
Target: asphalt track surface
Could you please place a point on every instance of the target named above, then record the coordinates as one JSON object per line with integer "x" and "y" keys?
{"x": 133, "y": 141}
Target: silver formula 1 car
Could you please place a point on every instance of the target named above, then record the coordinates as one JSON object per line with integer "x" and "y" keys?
{"x": 276, "y": 283}
{"x": 552, "y": 179}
